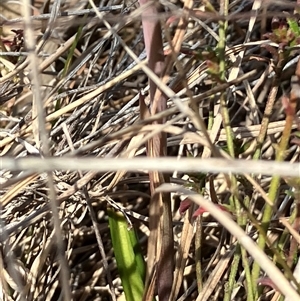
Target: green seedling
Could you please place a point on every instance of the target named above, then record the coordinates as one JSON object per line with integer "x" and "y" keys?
{"x": 129, "y": 259}
{"x": 285, "y": 32}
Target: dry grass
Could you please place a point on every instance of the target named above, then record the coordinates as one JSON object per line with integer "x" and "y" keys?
{"x": 82, "y": 87}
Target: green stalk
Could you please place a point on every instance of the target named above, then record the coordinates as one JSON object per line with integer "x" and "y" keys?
{"x": 222, "y": 71}
{"x": 129, "y": 260}
{"x": 279, "y": 259}
{"x": 285, "y": 236}
{"x": 237, "y": 256}
{"x": 233, "y": 272}
{"x": 274, "y": 186}
{"x": 250, "y": 294}
{"x": 234, "y": 202}
{"x": 72, "y": 49}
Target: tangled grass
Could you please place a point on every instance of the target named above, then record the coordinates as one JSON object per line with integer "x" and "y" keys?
{"x": 75, "y": 84}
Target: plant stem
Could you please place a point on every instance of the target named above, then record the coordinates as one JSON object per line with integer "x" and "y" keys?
{"x": 129, "y": 262}
{"x": 222, "y": 71}
{"x": 198, "y": 245}
{"x": 244, "y": 218}
{"x": 233, "y": 272}
{"x": 265, "y": 120}
{"x": 280, "y": 155}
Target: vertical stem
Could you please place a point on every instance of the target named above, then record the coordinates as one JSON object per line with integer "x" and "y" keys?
{"x": 198, "y": 245}
{"x": 244, "y": 218}
{"x": 222, "y": 70}
{"x": 233, "y": 272}
{"x": 265, "y": 120}
{"x": 160, "y": 243}
{"x": 290, "y": 108}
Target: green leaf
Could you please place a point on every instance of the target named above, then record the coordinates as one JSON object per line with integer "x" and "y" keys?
{"x": 129, "y": 259}
{"x": 293, "y": 24}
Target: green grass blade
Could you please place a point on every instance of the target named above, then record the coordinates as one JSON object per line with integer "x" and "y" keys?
{"x": 129, "y": 260}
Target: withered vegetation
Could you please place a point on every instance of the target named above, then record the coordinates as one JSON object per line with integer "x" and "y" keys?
{"x": 90, "y": 88}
